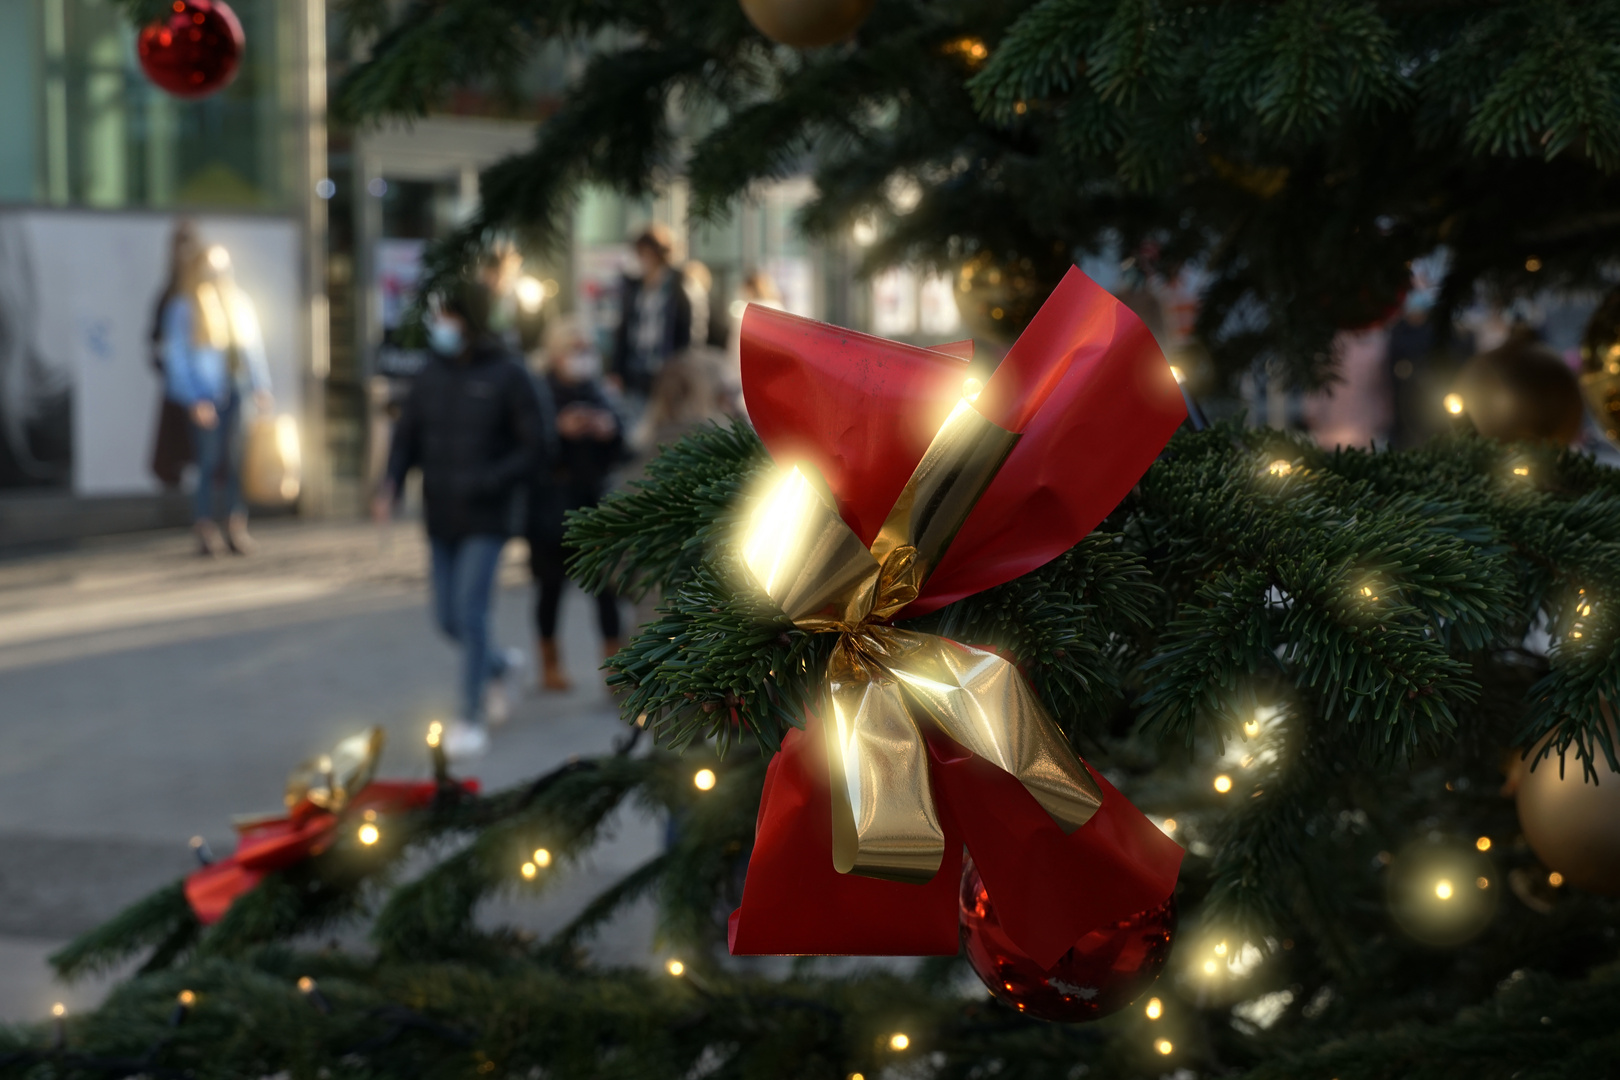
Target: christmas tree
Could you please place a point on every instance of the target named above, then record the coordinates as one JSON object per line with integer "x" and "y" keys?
{"x": 1311, "y": 667}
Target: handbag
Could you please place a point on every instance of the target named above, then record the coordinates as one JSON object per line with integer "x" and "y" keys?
{"x": 272, "y": 467}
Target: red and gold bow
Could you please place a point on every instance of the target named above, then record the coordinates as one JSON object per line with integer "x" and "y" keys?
{"x": 929, "y": 742}
{"x": 321, "y": 793}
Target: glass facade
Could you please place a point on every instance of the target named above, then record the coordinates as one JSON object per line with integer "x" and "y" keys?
{"x": 81, "y": 126}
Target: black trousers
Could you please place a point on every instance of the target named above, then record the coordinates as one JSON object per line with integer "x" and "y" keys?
{"x": 547, "y": 561}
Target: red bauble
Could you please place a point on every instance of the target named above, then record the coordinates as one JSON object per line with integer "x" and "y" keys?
{"x": 1102, "y": 973}
{"x": 194, "y": 50}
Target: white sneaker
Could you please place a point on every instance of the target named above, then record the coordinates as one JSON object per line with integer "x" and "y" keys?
{"x": 497, "y": 692}
{"x": 464, "y": 740}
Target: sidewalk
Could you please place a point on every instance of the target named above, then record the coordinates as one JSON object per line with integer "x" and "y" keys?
{"x": 147, "y": 695}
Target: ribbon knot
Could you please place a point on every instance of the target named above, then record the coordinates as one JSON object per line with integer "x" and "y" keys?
{"x": 887, "y": 689}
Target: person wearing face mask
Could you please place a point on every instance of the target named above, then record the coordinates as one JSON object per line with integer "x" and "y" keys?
{"x": 477, "y": 426}
{"x": 590, "y": 443}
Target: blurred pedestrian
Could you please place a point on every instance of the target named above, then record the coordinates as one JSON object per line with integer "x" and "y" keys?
{"x": 655, "y": 321}
{"x": 758, "y": 287}
{"x": 171, "y": 448}
{"x": 477, "y": 426}
{"x": 213, "y": 357}
{"x": 590, "y": 444}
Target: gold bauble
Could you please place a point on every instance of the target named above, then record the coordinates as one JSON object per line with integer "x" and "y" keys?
{"x": 1521, "y": 391}
{"x": 806, "y": 24}
{"x": 1600, "y": 366}
{"x": 1572, "y": 824}
{"x": 997, "y": 298}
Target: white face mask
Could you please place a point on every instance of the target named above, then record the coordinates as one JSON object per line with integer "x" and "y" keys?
{"x": 581, "y": 365}
{"x": 445, "y": 337}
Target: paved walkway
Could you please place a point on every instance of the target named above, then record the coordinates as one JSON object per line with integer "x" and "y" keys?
{"x": 146, "y": 696}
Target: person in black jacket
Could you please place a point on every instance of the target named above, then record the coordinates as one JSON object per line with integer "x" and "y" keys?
{"x": 655, "y": 322}
{"x": 477, "y": 426}
{"x": 590, "y": 443}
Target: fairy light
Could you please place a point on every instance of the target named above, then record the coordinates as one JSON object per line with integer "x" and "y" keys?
{"x": 1482, "y": 882}
{"x": 1155, "y": 1008}
{"x": 1251, "y": 728}
{"x": 1164, "y": 1046}
{"x": 675, "y": 968}
{"x": 435, "y": 733}
{"x": 1555, "y": 879}
{"x": 1220, "y": 950}
{"x": 703, "y": 779}
{"x": 306, "y": 985}
{"x": 1367, "y": 593}
{"x": 1169, "y": 825}
{"x": 1454, "y": 404}
{"x": 187, "y": 998}
{"x": 899, "y": 1041}
{"x": 1209, "y": 967}
{"x": 1442, "y": 889}
{"x": 368, "y": 834}
{"x": 1483, "y": 843}
{"x": 542, "y": 857}
{"x": 1521, "y": 470}
{"x": 1223, "y": 783}
{"x": 529, "y": 870}
{"x": 59, "y": 1009}
{"x": 1532, "y": 264}
{"x": 1280, "y": 467}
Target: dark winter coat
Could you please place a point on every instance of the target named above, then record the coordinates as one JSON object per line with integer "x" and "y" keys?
{"x": 477, "y": 427}
{"x": 577, "y": 476}
{"x": 632, "y": 369}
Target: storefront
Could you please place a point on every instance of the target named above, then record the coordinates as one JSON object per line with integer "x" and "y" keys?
{"x": 97, "y": 170}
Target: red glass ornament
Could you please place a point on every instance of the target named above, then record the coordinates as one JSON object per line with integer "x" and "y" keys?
{"x": 194, "y": 50}
{"x": 1102, "y": 973}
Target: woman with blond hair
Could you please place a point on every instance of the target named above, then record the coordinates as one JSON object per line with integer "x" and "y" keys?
{"x": 213, "y": 356}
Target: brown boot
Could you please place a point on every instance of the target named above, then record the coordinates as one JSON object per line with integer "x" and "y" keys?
{"x": 552, "y": 676}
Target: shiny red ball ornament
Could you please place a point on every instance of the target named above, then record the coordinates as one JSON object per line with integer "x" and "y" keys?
{"x": 194, "y": 50}
{"x": 1102, "y": 973}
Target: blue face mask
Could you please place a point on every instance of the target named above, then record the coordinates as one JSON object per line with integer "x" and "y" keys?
{"x": 445, "y": 337}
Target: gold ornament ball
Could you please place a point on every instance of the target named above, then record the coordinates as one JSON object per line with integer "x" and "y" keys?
{"x": 997, "y": 298}
{"x": 1572, "y": 824}
{"x": 1521, "y": 391}
{"x": 807, "y": 24}
{"x": 1600, "y": 366}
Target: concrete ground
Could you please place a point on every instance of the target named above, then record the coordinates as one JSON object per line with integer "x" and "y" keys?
{"x": 146, "y": 696}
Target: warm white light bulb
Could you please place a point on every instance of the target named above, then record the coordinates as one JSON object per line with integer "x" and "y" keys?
{"x": 1155, "y": 1008}
{"x": 703, "y": 779}
{"x": 1223, "y": 783}
{"x": 1442, "y": 889}
{"x": 369, "y": 834}
{"x": 899, "y": 1041}
{"x": 675, "y": 968}
{"x": 1164, "y": 1046}
{"x": 542, "y": 857}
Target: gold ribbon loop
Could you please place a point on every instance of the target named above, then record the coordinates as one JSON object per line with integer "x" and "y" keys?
{"x": 884, "y": 686}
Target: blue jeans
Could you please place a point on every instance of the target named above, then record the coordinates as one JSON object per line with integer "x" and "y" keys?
{"x": 463, "y": 586}
{"x": 219, "y": 451}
